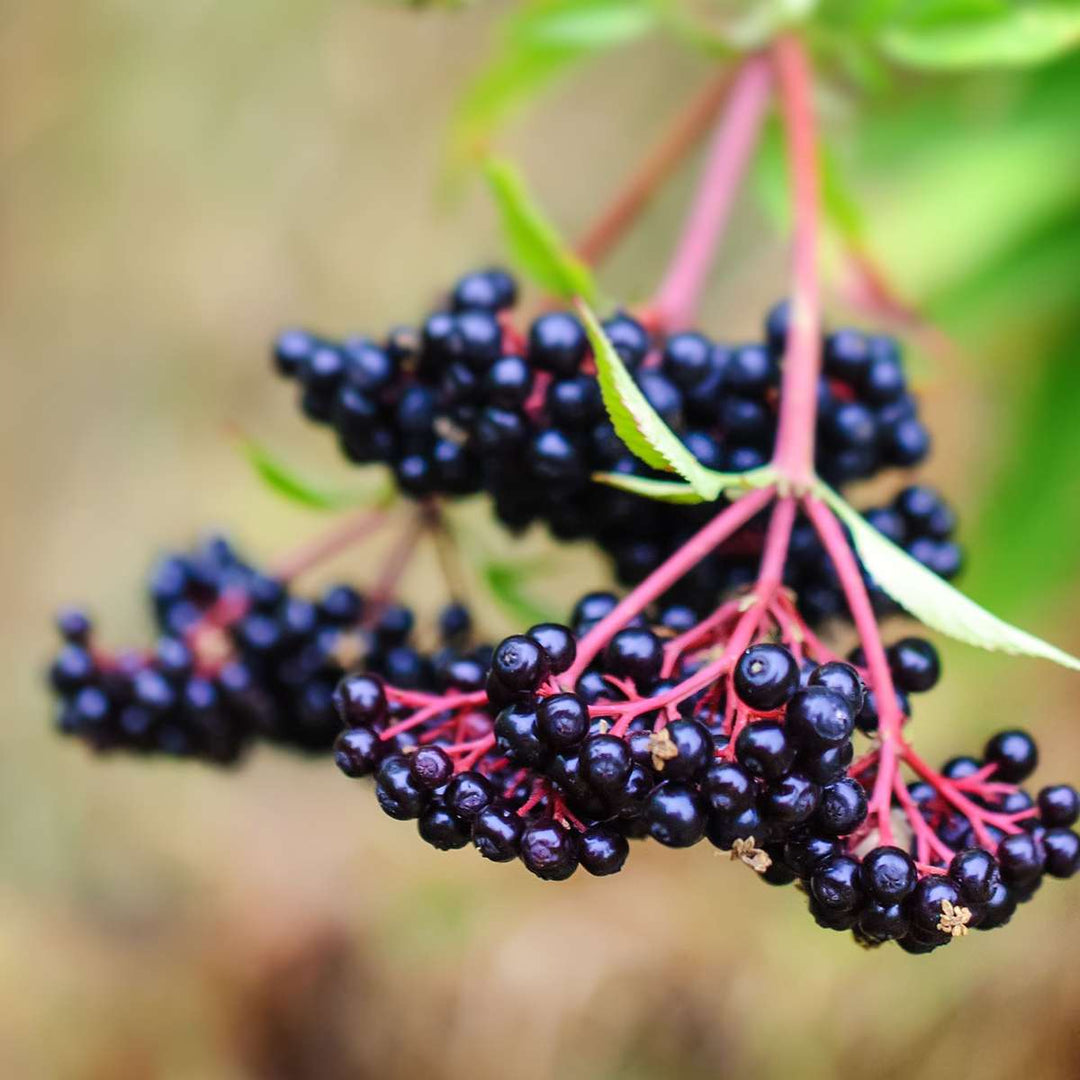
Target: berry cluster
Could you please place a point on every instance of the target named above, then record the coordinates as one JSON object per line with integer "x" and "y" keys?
{"x": 467, "y": 403}
{"x": 918, "y": 519}
{"x": 565, "y": 756}
{"x": 240, "y": 658}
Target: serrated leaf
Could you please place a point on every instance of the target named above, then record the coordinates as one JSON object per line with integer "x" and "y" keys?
{"x": 1019, "y": 36}
{"x": 284, "y": 481}
{"x": 535, "y": 246}
{"x": 585, "y": 24}
{"x": 505, "y": 581}
{"x": 636, "y": 422}
{"x": 932, "y": 600}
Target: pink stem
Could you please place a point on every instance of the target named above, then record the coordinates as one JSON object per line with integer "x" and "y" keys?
{"x": 664, "y": 576}
{"x": 729, "y": 155}
{"x": 346, "y": 533}
{"x": 802, "y": 359}
{"x": 890, "y": 718}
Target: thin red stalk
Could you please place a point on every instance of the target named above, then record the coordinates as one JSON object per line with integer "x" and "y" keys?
{"x": 794, "y": 453}
{"x": 890, "y": 718}
{"x": 664, "y": 576}
{"x": 688, "y": 128}
{"x": 729, "y": 155}
{"x": 347, "y": 532}
{"x": 397, "y": 563}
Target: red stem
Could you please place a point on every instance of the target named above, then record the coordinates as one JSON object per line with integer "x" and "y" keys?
{"x": 729, "y": 155}
{"x": 890, "y": 719}
{"x": 347, "y": 532}
{"x": 794, "y": 453}
{"x": 689, "y": 126}
{"x": 664, "y": 576}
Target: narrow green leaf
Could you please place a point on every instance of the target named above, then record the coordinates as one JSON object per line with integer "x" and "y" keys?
{"x": 534, "y": 244}
{"x": 1018, "y": 36}
{"x": 281, "y": 479}
{"x": 932, "y": 600}
{"x": 676, "y": 491}
{"x": 505, "y": 581}
{"x": 636, "y": 422}
{"x": 585, "y": 24}
{"x": 506, "y": 85}
{"x": 669, "y": 491}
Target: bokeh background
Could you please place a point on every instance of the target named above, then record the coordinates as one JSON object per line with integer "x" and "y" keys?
{"x": 179, "y": 180}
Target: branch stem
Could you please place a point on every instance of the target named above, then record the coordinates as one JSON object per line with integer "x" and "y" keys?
{"x": 730, "y": 152}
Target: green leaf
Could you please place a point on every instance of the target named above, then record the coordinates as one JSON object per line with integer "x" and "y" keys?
{"x": 676, "y": 491}
{"x": 669, "y": 491}
{"x": 534, "y": 244}
{"x": 282, "y": 480}
{"x": 932, "y": 600}
{"x": 584, "y": 24}
{"x": 636, "y": 422}
{"x": 505, "y": 582}
{"x": 1018, "y": 36}
{"x": 503, "y": 87}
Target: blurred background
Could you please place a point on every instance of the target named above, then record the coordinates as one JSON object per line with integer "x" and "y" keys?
{"x": 180, "y": 180}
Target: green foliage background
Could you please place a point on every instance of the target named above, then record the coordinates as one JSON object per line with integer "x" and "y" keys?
{"x": 179, "y": 180}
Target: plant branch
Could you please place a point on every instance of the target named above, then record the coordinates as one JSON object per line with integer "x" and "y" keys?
{"x": 665, "y": 575}
{"x": 343, "y": 535}
{"x": 729, "y": 156}
{"x": 662, "y": 160}
{"x": 794, "y": 453}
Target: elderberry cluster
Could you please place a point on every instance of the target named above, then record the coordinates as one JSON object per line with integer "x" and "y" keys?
{"x": 466, "y": 404}
{"x": 239, "y": 658}
{"x": 760, "y": 766}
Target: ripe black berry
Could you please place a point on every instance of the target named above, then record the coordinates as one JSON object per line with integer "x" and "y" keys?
{"x": 694, "y": 750}
{"x": 1062, "y": 847}
{"x": 888, "y": 874}
{"x": 606, "y": 762}
{"x": 914, "y": 664}
{"x": 635, "y": 653}
{"x": 557, "y": 343}
{"x": 562, "y": 720}
{"x": 837, "y": 884}
{"x": 1021, "y": 857}
{"x": 441, "y": 829}
{"x": 728, "y": 788}
{"x": 517, "y": 733}
{"x": 549, "y": 850}
{"x": 603, "y": 850}
{"x": 1015, "y": 755}
{"x": 842, "y": 808}
{"x": 467, "y": 794}
{"x": 1059, "y": 804}
{"x": 792, "y": 799}
{"x": 841, "y": 679}
{"x": 818, "y": 717}
{"x": 975, "y": 872}
{"x": 766, "y": 677}
{"x": 558, "y": 642}
{"x": 431, "y": 767}
{"x": 675, "y": 814}
{"x": 520, "y": 664}
{"x": 360, "y": 700}
{"x": 357, "y": 752}
{"x": 764, "y": 750}
{"x": 396, "y": 790}
{"x": 496, "y": 832}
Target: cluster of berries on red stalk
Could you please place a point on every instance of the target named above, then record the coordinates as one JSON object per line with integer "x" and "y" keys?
{"x": 703, "y": 705}
{"x": 469, "y": 403}
{"x": 242, "y": 658}
{"x": 683, "y": 730}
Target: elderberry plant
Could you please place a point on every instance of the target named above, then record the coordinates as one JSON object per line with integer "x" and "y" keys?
{"x": 708, "y": 702}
